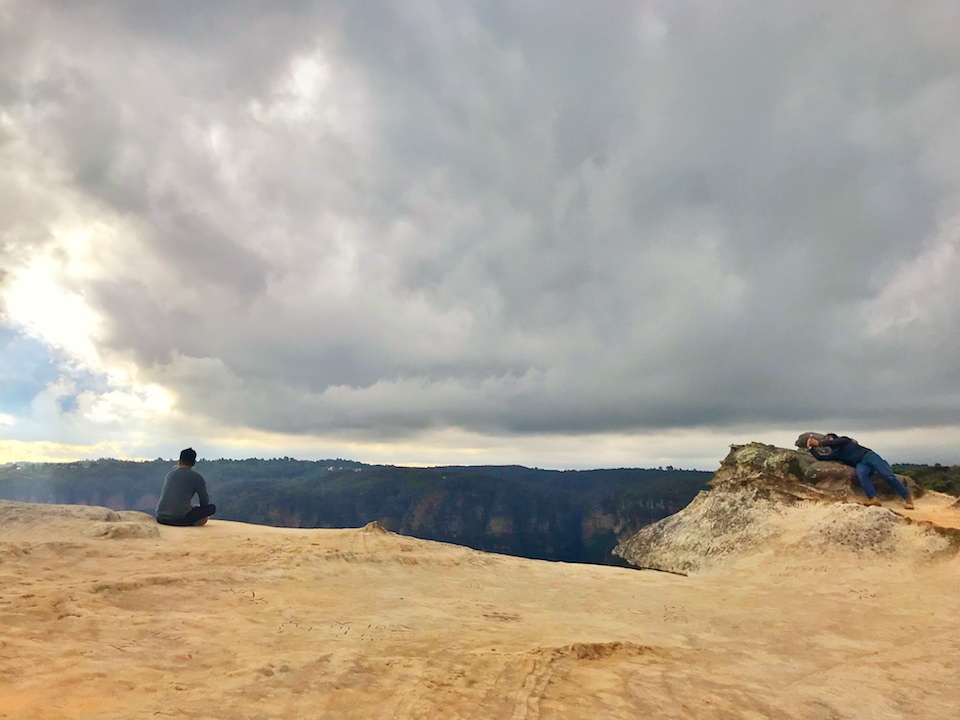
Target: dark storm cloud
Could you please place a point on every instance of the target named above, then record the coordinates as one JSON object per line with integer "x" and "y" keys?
{"x": 520, "y": 217}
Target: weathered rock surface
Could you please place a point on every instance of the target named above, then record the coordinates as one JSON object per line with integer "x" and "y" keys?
{"x": 235, "y": 621}
{"x": 125, "y": 530}
{"x": 98, "y": 522}
{"x": 769, "y": 499}
{"x": 29, "y": 513}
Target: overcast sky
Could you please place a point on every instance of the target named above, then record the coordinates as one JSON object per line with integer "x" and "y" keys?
{"x": 558, "y": 234}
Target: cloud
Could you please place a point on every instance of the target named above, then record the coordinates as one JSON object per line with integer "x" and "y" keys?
{"x": 508, "y": 220}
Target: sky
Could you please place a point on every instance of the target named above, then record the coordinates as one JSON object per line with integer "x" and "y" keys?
{"x": 554, "y": 234}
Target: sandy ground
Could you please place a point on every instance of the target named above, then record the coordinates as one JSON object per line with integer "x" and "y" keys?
{"x": 246, "y": 622}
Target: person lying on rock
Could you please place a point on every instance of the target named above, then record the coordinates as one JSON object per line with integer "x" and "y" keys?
{"x": 179, "y": 487}
{"x": 863, "y": 460}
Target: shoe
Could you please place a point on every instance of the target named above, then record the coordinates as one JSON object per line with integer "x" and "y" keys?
{"x": 908, "y": 503}
{"x": 874, "y": 501}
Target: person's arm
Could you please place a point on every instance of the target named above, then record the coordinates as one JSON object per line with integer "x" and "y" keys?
{"x": 832, "y": 441}
{"x": 820, "y": 452}
{"x": 822, "y": 449}
{"x": 201, "y": 488}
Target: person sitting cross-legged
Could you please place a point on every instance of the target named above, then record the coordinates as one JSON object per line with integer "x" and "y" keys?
{"x": 179, "y": 487}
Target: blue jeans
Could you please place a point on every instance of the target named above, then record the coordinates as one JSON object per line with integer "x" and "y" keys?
{"x": 873, "y": 463}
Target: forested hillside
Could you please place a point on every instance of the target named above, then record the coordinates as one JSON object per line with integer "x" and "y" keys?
{"x": 575, "y": 516}
{"x": 942, "y": 478}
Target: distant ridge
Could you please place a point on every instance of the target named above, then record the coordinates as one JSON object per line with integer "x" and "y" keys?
{"x": 564, "y": 515}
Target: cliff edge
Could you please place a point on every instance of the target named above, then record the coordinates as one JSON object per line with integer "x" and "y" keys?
{"x": 109, "y": 616}
{"x": 766, "y": 499}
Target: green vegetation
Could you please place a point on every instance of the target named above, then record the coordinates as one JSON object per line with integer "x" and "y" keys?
{"x": 574, "y": 516}
{"x": 945, "y": 479}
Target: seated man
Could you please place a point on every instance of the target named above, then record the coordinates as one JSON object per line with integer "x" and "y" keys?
{"x": 179, "y": 487}
{"x": 863, "y": 460}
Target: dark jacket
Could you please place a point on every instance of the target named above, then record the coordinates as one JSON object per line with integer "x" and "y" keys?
{"x": 179, "y": 487}
{"x": 839, "y": 449}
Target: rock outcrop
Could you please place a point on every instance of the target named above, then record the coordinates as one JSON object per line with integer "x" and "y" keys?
{"x": 769, "y": 499}
{"x": 99, "y": 522}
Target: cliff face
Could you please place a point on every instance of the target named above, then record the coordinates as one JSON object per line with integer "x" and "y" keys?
{"x": 526, "y": 525}
{"x": 571, "y": 516}
{"x": 765, "y": 499}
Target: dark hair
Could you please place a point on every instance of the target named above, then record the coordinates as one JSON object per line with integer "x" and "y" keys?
{"x": 802, "y": 440}
{"x": 188, "y": 457}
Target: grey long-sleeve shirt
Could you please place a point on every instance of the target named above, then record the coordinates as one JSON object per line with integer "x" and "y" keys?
{"x": 179, "y": 487}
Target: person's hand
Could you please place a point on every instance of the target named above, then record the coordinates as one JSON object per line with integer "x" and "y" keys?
{"x": 812, "y": 442}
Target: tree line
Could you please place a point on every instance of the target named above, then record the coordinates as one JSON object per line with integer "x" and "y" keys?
{"x": 573, "y": 516}
{"x": 942, "y": 478}
{"x": 568, "y": 515}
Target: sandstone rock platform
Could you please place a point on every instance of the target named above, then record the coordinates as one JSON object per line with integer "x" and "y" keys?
{"x": 771, "y": 501}
{"x": 244, "y": 622}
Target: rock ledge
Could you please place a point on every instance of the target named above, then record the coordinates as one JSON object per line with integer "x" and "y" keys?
{"x": 769, "y": 499}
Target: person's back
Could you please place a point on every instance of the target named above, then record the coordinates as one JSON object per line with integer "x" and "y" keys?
{"x": 179, "y": 487}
